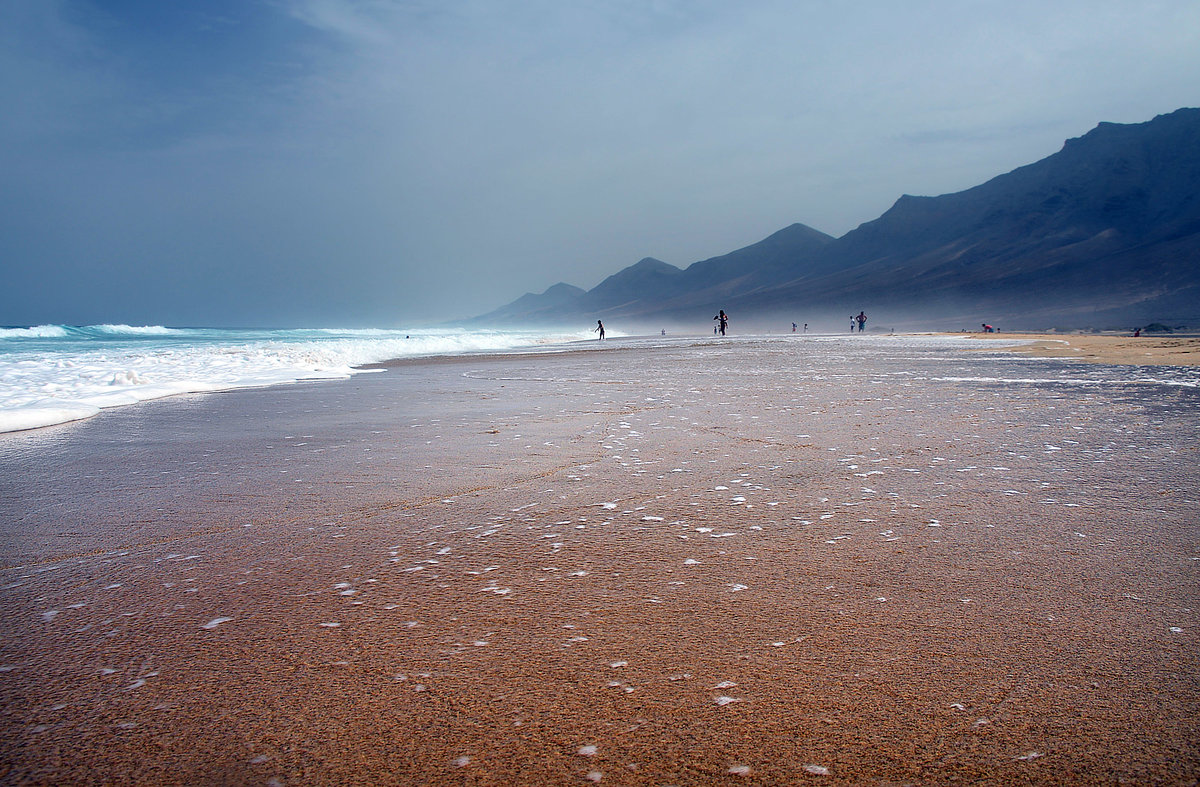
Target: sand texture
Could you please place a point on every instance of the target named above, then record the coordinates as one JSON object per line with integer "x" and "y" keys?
{"x": 778, "y": 561}
{"x": 1100, "y": 348}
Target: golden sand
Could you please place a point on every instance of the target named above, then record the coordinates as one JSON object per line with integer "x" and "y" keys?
{"x": 760, "y": 563}
{"x": 1099, "y": 348}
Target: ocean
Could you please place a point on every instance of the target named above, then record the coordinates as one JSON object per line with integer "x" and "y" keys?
{"x": 52, "y": 374}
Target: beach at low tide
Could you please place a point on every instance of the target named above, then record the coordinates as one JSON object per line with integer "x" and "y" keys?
{"x": 761, "y": 560}
{"x": 1149, "y": 350}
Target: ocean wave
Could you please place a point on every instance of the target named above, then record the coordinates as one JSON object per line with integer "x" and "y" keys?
{"x": 131, "y": 330}
{"x": 355, "y": 331}
{"x": 88, "y": 331}
{"x": 35, "y": 332}
{"x": 73, "y": 372}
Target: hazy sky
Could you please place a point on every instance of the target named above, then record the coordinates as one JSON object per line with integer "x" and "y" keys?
{"x": 394, "y": 162}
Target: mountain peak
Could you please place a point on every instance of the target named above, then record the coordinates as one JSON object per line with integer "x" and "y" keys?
{"x": 1108, "y": 228}
{"x": 563, "y": 290}
{"x": 651, "y": 264}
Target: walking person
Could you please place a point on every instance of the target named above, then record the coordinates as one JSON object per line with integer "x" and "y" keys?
{"x": 599, "y": 329}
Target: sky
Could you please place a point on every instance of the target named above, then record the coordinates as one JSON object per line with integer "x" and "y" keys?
{"x": 395, "y": 163}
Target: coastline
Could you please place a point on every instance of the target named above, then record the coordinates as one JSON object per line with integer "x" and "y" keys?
{"x": 766, "y": 561}
{"x": 53, "y": 374}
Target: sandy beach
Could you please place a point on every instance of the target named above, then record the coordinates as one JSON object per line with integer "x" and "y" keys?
{"x": 1157, "y": 349}
{"x": 769, "y": 561}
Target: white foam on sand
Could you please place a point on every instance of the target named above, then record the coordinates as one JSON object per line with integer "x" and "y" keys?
{"x": 53, "y": 374}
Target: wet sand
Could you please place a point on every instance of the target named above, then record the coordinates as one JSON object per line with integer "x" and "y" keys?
{"x": 1098, "y": 348}
{"x": 749, "y": 562}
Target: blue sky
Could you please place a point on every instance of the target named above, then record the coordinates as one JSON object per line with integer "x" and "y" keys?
{"x": 366, "y": 162}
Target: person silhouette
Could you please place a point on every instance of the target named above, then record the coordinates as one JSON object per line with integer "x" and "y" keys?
{"x": 599, "y": 328}
{"x": 722, "y": 321}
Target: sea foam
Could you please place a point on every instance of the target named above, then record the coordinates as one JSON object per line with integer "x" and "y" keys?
{"x": 52, "y": 374}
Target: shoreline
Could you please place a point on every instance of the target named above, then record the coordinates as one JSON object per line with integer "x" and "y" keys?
{"x": 1153, "y": 350}
{"x": 1122, "y": 350}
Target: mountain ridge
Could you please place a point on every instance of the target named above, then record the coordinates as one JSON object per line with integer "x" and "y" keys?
{"x": 1105, "y": 229}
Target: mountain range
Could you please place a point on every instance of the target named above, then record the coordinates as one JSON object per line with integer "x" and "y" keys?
{"x": 1103, "y": 233}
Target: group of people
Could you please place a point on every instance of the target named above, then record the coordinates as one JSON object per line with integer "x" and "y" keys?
{"x": 722, "y": 320}
{"x": 722, "y": 324}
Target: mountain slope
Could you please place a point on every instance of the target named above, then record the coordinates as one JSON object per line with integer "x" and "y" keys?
{"x": 550, "y": 307}
{"x": 1108, "y": 228}
{"x": 1110, "y": 221}
{"x": 629, "y": 286}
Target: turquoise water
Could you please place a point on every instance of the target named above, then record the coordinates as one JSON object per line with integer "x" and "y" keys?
{"x": 55, "y": 373}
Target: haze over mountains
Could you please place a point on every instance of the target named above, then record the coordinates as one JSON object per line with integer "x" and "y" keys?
{"x": 1104, "y": 233}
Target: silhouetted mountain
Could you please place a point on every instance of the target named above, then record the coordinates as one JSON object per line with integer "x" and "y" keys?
{"x": 1105, "y": 231}
{"x": 652, "y": 288}
{"x": 756, "y": 267}
{"x": 627, "y": 287}
{"x": 552, "y": 306}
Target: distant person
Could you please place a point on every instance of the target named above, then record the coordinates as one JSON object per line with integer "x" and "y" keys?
{"x": 988, "y": 329}
{"x": 1137, "y": 332}
{"x": 861, "y": 319}
{"x": 664, "y": 331}
{"x": 722, "y": 321}
{"x": 599, "y": 329}
{"x": 793, "y": 327}
{"x": 851, "y": 323}
{"x": 806, "y": 327}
